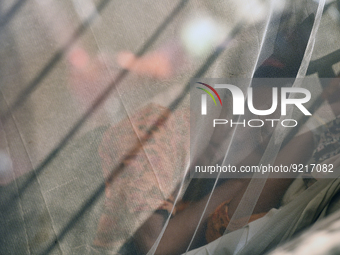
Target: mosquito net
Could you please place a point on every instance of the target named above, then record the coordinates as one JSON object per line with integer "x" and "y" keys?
{"x": 166, "y": 127}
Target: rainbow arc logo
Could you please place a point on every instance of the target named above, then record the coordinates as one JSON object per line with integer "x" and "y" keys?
{"x": 204, "y": 97}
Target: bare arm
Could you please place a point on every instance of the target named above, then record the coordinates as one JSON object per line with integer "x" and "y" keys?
{"x": 181, "y": 228}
